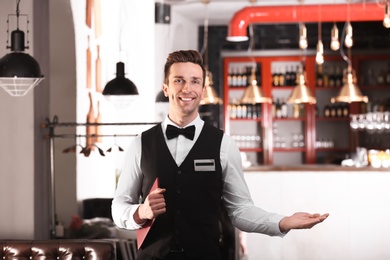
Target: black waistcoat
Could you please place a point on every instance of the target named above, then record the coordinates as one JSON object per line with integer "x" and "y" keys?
{"x": 192, "y": 197}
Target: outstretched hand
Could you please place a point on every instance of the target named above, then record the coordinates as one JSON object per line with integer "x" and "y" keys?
{"x": 153, "y": 206}
{"x": 301, "y": 220}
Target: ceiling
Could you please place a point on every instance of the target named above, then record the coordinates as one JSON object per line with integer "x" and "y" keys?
{"x": 221, "y": 11}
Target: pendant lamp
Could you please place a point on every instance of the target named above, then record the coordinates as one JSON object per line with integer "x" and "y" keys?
{"x": 161, "y": 97}
{"x": 120, "y": 90}
{"x": 19, "y": 72}
{"x": 210, "y": 95}
{"x": 350, "y": 92}
{"x": 253, "y": 93}
{"x": 301, "y": 93}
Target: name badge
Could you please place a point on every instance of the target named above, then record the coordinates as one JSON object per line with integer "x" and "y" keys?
{"x": 204, "y": 165}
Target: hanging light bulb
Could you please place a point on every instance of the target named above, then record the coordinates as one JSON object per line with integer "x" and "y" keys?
{"x": 348, "y": 36}
{"x": 320, "y": 53}
{"x": 334, "y": 43}
{"x": 386, "y": 18}
{"x": 302, "y": 36}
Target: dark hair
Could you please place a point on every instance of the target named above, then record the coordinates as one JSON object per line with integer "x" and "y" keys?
{"x": 183, "y": 56}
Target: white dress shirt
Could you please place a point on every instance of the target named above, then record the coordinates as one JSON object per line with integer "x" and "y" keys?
{"x": 237, "y": 200}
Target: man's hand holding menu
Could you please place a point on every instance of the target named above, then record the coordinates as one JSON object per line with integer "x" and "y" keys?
{"x": 153, "y": 206}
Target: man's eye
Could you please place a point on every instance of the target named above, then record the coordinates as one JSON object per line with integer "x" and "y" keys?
{"x": 178, "y": 80}
{"x": 196, "y": 82}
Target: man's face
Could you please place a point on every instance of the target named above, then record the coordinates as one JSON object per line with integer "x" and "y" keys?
{"x": 184, "y": 90}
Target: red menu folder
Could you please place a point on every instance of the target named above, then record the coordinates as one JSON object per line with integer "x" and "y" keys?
{"x": 142, "y": 232}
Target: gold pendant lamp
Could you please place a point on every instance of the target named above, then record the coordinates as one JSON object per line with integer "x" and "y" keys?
{"x": 253, "y": 93}
{"x": 301, "y": 93}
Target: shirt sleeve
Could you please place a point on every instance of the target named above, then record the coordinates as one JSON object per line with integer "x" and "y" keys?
{"x": 126, "y": 198}
{"x": 237, "y": 199}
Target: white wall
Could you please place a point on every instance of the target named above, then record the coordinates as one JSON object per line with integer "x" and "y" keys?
{"x": 17, "y": 144}
{"x": 357, "y": 227}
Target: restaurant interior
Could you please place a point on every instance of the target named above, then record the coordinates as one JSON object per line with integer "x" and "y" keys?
{"x": 66, "y": 127}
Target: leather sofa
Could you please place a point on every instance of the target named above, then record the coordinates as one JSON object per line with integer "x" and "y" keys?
{"x": 66, "y": 249}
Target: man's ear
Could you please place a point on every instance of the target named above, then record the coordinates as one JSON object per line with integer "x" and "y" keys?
{"x": 165, "y": 89}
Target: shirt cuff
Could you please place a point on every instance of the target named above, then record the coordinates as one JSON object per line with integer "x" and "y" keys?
{"x": 130, "y": 223}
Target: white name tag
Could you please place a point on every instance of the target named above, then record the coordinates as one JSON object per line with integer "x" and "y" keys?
{"x": 204, "y": 165}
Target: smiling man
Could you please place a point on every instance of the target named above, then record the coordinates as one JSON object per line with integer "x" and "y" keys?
{"x": 199, "y": 170}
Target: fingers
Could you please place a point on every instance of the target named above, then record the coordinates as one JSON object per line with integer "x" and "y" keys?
{"x": 158, "y": 191}
{"x": 154, "y": 204}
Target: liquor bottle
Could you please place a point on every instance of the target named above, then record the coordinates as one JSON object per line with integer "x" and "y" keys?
{"x": 332, "y": 80}
{"x": 244, "y": 111}
{"x": 273, "y": 109}
{"x": 319, "y": 76}
{"x": 284, "y": 108}
{"x": 333, "y": 111}
{"x": 339, "y": 110}
{"x": 325, "y": 76}
{"x": 239, "y": 77}
{"x": 239, "y": 110}
{"x": 278, "y": 109}
{"x": 326, "y": 111}
{"x": 288, "y": 77}
{"x": 234, "y": 77}
{"x": 345, "y": 110}
{"x": 282, "y": 79}
{"x": 229, "y": 78}
{"x": 249, "y": 111}
{"x": 338, "y": 77}
{"x": 244, "y": 77}
{"x": 294, "y": 76}
{"x": 275, "y": 78}
{"x": 296, "y": 113}
{"x": 380, "y": 79}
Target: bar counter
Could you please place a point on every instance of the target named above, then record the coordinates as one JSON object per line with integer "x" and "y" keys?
{"x": 315, "y": 168}
{"x": 356, "y": 198}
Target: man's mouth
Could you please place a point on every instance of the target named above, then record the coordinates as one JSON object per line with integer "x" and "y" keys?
{"x": 186, "y": 99}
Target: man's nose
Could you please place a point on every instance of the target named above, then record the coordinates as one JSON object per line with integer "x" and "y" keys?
{"x": 186, "y": 87}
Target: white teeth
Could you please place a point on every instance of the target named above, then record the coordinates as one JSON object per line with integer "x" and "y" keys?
{"x": 186, "y": 99}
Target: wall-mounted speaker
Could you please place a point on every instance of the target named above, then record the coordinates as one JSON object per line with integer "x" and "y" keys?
{"x": 162, "y": 13}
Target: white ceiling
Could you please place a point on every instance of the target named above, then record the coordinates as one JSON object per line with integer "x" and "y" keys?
{"x": 221, "y": 11}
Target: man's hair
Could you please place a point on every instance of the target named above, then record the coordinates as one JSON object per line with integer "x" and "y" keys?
{"x": 183, "y": 56}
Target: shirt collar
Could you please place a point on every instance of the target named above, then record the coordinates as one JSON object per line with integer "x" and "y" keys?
{"x": 197, "y": 122}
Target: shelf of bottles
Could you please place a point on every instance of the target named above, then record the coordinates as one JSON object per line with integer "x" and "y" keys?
{"x": 288, "y": 120}
{"x": 332, "y": 119}
{"x": 244, "y": 119}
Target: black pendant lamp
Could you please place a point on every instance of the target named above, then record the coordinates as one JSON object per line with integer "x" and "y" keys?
{"x": 161, "y": 97}
{"x": 19, "y": 72}
{"x": 120, "y": 89}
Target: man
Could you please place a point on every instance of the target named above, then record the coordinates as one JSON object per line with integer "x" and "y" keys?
{"x": 196, "y": 170}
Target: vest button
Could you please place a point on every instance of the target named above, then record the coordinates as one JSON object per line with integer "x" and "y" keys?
{"x": 178, "y": 191}
{"x": 179, "y": 172}
{"x": 178, "y": 212}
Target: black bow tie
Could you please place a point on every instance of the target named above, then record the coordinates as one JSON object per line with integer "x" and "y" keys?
{"x": 173, "y": 131}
